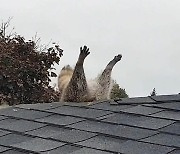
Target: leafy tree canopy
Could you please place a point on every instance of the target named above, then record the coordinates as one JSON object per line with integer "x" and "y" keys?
{"x": 24, "y": 71}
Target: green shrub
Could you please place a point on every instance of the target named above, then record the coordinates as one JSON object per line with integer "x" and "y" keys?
{"x": 118, "y": 92}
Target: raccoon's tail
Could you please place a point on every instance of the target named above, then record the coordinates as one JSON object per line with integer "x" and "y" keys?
{"x": 64, "y": 77}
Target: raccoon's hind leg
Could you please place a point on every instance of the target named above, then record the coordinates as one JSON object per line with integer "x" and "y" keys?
{"x": 104, "y": 79}
{"x": 77, "y": 90}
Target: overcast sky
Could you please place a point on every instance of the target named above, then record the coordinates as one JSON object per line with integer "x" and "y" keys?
{"x": 145, "y": 32}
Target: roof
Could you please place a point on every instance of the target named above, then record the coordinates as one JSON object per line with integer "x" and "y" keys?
{"x": 141, "y": 125}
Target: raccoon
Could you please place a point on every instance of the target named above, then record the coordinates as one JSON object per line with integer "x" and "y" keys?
{"x": 74, "y": 87}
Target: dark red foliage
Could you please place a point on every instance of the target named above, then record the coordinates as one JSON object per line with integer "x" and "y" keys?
{"x": 25, "y": 72}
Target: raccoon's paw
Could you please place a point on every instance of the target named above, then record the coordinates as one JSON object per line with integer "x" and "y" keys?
{"x": 117, "y": 58}
{"x": 84, "y": 52}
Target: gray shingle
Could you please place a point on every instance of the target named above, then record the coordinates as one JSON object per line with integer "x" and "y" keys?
{"x": 108, "y": 106}
{"x": 38, "y": 144}
{"x": 89, "y": 151}
{"x": 45, "y": 132}
{"x": 5, "y": 122}
{"x": 164, "y": 139}
{"x": 135, "y": 100}
{"x": 2, "y": 117}
{"x": 126, "y": 127}
{"x": 79, "y": 104}
{"x": 3, "y": 132}
{"x": 15, "y": 152}
{"x": 134, "y": 147}
{"x": 3, "y": 149}
{"x": 40, "y": 106}
{"x": 62, "y": 134}
{"x": 116, "y": 130}
{"x": 171, "y": 105}
{"x": 124, "y": 146}
{"x": 66, "y": 149}
{"x": 168, "y": 115}
{"x": 175, "y": 152}
{"x": 60, "y": 119}
{"x": 81, "y": 112}
{"x": 142, "y": 110}
{"x": 173, "y": 128}
{"x": 137, "y": 120}
{"x": 10, "y": 139}
{"x": 23, "y": 113}
{"x": 154, "y": 123}
{"x": 122, "y": 118}
{"x": 165, "y": 98}
{"x": 104, "y": 143}
{"x": 72, "y": 135}
{"x": 19, "y": 125}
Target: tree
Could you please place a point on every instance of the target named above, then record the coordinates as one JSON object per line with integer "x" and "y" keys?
{"x": 24, "y": 71}
{"x": 118, "y": 92}
{"x": 153, "y": 93}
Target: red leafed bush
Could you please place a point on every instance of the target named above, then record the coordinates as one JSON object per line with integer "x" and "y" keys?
{"x": 25, "y": 72}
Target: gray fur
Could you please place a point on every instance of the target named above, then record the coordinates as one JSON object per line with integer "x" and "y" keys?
{"x": 77, "y": 89}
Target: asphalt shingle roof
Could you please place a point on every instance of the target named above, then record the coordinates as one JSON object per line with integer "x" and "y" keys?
{"x": 141, "y": 125}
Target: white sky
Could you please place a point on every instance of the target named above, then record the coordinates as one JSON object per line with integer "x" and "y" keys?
{"x": 145, "y": 32}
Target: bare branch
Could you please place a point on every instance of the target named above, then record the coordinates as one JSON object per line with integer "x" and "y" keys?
{"x": 4, "y": 27}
